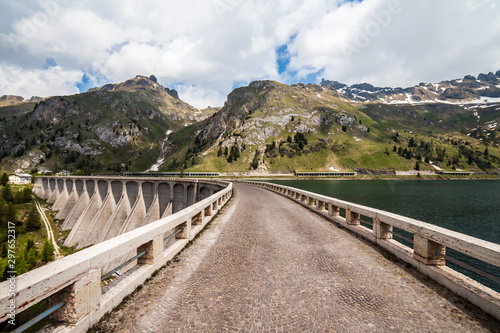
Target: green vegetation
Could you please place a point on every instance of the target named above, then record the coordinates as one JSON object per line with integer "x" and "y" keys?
{"x": 30, "y": 250}
{"x": 111, "y": 131}
{"x": 47, "y": 252}
{"x": 267, "y": 126}
{"x": 256, "y": 159}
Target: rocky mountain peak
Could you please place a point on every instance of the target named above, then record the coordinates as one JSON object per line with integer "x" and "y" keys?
{"x": 140, "y": 82}
{"x": 333, "y": 84}
{"x": 10, "y": 100}
{"x": 6, "y": 100}
{"x": 467, "y": 90}
{"x": 490, "y": 77}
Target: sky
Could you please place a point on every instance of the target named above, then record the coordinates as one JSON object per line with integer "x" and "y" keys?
{"x": 206, "y": 48}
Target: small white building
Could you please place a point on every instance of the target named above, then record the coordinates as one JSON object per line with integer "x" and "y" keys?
{"x": 20, "y": 178}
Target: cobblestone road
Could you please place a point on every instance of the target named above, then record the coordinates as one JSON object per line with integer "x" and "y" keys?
{"x": 268, "y": 264}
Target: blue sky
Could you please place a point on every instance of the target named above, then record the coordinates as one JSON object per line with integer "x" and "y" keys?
{"x": 204, "y": 49}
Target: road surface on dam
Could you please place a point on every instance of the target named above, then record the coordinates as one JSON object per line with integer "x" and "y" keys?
{"x": 267, "y": 264}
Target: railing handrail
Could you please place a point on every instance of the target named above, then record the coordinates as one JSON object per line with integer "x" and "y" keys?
{"x": 480, "y": 249}
{"x": 195, "y": 180}
{"x": 42, "y": 282}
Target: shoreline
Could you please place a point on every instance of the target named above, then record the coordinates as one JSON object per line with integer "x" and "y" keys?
{"x": 369, "y": 177}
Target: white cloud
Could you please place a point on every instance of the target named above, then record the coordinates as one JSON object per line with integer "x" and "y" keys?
{"x": 203, "y": 47}
{"x": 38, "y": 82}
{"x": 401, "y": 43}
{"x": 201, "y": 96}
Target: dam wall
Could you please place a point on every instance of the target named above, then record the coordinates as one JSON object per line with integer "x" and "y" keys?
{"x": 76, "y": 285}
{"x": 96, "y": 209}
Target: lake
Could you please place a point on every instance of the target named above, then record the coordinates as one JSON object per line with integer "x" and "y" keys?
{"x": 471, "y": 207}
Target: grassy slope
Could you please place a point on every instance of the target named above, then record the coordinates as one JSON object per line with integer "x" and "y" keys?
{"x": 434, "y": 124}
{"x": 437, "y": 125}
{"x": 113, "y": 110}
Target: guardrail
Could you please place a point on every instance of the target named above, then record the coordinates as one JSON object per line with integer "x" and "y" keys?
{"x": 76, "y": 279}
{"x": 425, "y": 246}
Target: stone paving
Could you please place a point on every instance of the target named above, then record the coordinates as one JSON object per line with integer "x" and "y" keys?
{"x": 268, "y": 264}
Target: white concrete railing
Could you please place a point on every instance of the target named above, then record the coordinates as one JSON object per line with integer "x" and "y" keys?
{"x": 429, "y": 242}
{"x": 76, "y": 279}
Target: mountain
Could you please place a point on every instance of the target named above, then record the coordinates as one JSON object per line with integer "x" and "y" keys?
{"x": 270, "y": 127}
{"x": 469, "y": 90}
{"x": 265, "y": 127}
{"x": 10, "y": 100}
{"x": 112, "y": 128}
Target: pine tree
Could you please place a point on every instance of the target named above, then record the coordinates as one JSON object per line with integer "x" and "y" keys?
{"x": 23, "y": 196}
{"x": 417, "y": 166}
{"x": 219, "y": 152}
{"x": 4, "y": 179}
{"x": 31, "y": 258}
{"x": 21, "y": 266}
{"x": 5, "y": 251}
{"x": 33, "y": 220}
{"x": 255, "y": 162}
{"x": 3, "y": 214}
{"x": 7, "y": 193}
{"x": 11, "y": 213}
{"x": 5, "y": 273}
{"x": 30, "y": 244}
{"x": 235, "y": 150}
{"x": 47, "y": 251}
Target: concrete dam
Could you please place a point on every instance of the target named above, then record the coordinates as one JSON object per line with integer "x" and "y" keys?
{"x": 96, "y": 209}
{"x": 275, "y": 258}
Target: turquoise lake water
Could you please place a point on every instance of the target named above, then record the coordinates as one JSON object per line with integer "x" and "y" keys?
{"x": 467, "y": 206}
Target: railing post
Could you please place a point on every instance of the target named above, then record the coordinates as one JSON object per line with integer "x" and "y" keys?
{"x": 320, "y": 205}
{"x": 333, "y": 210}
{"x": 81, "y": 297}
{"x": 303, "y": 197}
{"x": 153, "y": 249}
{"x": 198, "y": 218}
{"x": 297, "y": 195}
{"x": 427, "y": 251}
{"x": 310, "y": 201}
{"x": 352, "y": 218}
{"x": 184, "y": 230}
{"x": 381, "y": 230}
{"x": 208, "y": 210}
